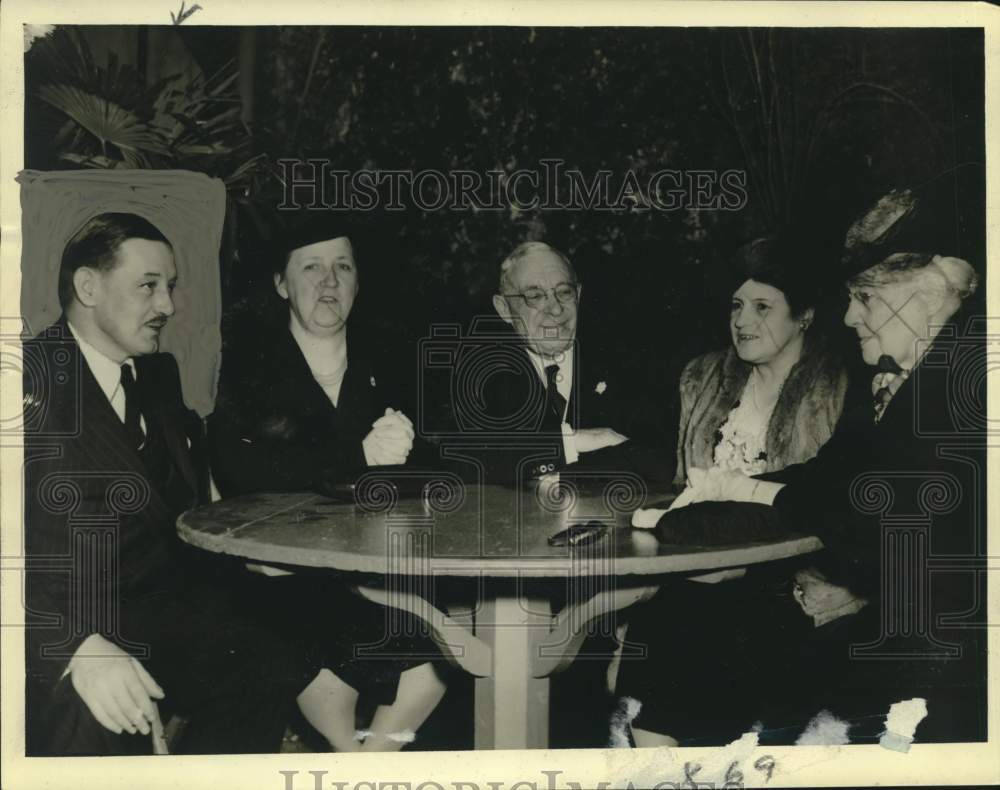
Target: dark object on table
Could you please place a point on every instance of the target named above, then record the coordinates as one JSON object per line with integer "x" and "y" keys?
{"x": 720, "y": 524}
{"x": 579, "y": 534}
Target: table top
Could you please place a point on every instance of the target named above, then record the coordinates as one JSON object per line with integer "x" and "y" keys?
{"x": 462, "y": 530}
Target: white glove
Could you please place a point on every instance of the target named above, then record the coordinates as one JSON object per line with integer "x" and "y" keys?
{"x": 646, "y": 518}
{"x": 725, "y": 485}
{"x": 712, "y": 485}
{"x": 697, "y": 491}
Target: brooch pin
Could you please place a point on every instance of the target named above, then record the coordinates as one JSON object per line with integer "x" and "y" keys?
{"x": 601, "y": 386}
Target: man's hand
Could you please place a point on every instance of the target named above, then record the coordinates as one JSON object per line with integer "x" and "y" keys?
{"x": 390, "y": 440}
{"x": 115, "y": 687}
{"x": 590, "y": 439}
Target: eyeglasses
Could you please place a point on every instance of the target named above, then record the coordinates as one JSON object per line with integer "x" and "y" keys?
{"x": 565, "y": 293}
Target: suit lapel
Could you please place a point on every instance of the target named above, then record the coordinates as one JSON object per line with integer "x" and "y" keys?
{"x": 297, "y": 384}
{"x": 158, "y": 417}
{"x": 574, "y": 402}
{"x": 103, "y": 439}
{"x": 356, "y": 378}
{"x": 177, "y": 446}
{"x": 101, "y": 426}
{"x": 352, "y": 412}
{"x": 521, "y": 389}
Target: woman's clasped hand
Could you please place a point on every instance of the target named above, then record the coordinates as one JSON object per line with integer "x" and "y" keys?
{"x": 390, "y": 440}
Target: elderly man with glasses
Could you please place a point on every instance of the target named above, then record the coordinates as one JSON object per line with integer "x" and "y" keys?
{"x": 550, "y": 397}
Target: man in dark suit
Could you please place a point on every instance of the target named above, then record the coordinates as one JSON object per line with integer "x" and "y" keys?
{"x": 119, "y": 618}
{"x": 542, "y": 400}
{"x": 550, "y": 401}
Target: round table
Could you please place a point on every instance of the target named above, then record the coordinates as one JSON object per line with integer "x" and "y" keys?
{"x": 508, "y": 636}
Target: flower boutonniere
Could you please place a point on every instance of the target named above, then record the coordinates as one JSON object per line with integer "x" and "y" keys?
{"x": 372, "y": 380}
{"x": 601, "y": 387}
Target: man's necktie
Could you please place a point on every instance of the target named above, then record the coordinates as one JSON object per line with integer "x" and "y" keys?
{"x": 132, "y": 409}
{"x": 555, "y": 403}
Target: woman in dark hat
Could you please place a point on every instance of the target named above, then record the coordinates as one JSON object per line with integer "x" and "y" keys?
{"x": 291, "y": 412}
{"x": 300, "y": 408}
{"x": 771, "y": 399}
{"x": 898, "y": 493}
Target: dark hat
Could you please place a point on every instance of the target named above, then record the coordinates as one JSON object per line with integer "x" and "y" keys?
{"x": 787, "y": 260}
{"x": 944, "y": 216}
{"x": 302, "y": 228}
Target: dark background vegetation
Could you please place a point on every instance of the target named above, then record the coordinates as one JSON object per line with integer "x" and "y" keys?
{"x": 822, "y": 120}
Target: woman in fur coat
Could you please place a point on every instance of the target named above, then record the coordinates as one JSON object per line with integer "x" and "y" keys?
{"x": 897, "y": 496}
{"x": 769, "y": 400}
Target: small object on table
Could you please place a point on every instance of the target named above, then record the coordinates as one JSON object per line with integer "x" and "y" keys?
{"x": 579, "y": 534}
{"x": 267, "y": 570}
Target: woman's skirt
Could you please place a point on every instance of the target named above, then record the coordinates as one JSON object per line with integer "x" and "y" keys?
{"x": 710, "y": 656}
{"x": 365, "y": 644}
{"x": 724, "y": 659}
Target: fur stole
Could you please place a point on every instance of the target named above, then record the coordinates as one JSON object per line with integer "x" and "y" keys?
{"x": 807, "y": 410}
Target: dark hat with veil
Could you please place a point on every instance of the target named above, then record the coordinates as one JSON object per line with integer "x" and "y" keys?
{"x": 944, "y": 216}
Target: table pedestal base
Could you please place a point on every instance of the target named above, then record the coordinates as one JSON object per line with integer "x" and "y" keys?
{"x": 512, "y": 707}
{"x": 511, "y": 643}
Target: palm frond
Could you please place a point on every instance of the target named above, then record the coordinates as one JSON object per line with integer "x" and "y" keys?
{"x": 106, "y": 115}
{"x": 106, "y": 121}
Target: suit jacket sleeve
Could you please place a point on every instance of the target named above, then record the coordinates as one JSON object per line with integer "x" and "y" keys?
{"x": 816, "y": 498}
{"x": 53, "y": 420}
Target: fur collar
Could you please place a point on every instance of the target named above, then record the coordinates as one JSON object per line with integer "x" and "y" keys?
{"x": 808, "y": 406}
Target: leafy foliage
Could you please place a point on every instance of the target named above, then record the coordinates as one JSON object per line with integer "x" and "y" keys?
{"x": 108, "y": 117}
{"x": 823, "y": 121}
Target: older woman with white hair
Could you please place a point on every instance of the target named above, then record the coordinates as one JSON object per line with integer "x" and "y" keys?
{"x": 897, "y": 495}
